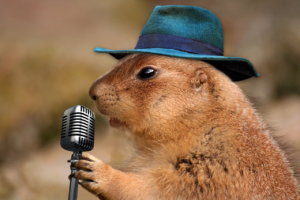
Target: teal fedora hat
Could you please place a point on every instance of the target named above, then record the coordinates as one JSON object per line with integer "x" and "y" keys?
{"x": 187, "y": 32}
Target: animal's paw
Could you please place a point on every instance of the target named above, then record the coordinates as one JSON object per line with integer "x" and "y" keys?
{"x": 93, "y": 174}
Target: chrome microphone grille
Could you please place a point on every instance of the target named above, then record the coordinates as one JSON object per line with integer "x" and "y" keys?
{"x": 64, "y": 126}
{"x": 78, "y": 127}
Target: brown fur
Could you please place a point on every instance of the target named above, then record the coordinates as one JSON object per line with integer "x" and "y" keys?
{"x": 196, "y": 136}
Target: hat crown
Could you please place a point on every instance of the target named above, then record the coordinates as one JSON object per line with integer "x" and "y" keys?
{"x": 187, "y": 22}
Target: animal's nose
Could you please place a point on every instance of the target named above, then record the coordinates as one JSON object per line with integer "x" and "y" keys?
{"x": 93, "y": 90}
{"x": 104, "y": 93}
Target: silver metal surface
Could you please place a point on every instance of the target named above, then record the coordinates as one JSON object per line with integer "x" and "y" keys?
{"x": 78, "y": 127}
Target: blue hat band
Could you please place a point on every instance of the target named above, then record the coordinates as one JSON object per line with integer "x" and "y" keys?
{"x": 178, "y": 43}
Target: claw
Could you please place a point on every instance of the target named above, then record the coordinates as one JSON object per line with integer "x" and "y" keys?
{"x": 71, "y": 176}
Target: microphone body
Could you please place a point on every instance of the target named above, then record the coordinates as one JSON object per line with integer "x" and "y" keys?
{"x": 77, "y": 135}
{"x": 78, "y": 127}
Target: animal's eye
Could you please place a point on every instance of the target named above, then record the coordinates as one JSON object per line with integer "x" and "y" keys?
{"x": 147, "y": 73}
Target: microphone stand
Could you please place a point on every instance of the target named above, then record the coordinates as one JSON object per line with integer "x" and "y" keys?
{"x": 73, "y": 188}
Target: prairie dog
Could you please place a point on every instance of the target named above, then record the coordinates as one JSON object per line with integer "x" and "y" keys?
{"x": 196, "y": 136}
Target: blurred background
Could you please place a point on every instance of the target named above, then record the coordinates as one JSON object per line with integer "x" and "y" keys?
{"x": 47, "y": 65}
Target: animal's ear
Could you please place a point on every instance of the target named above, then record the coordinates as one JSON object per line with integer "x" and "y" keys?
{"x": 199, "y": 79}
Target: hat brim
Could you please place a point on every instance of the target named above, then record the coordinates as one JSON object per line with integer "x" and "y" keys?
{"x": 236, "y": 68}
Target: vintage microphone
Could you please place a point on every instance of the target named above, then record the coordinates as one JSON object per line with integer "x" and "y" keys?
{"x": 77, "y": 135}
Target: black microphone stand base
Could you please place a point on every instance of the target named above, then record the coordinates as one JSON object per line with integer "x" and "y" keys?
{"x": 73, "y": 189}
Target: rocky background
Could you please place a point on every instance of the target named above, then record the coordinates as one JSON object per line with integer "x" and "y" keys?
{"x": 47, "y": 64}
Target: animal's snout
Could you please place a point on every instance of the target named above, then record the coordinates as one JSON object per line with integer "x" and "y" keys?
{"x": 93, "y": 89}
{"x": 104, "y": 94}
{"x": 108, "y": 95}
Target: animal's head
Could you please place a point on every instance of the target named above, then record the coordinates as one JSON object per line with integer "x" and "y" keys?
{"x": 159, "y": 97}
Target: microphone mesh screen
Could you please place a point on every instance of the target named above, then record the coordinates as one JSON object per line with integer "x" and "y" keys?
{"x": 78, "y": 126}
